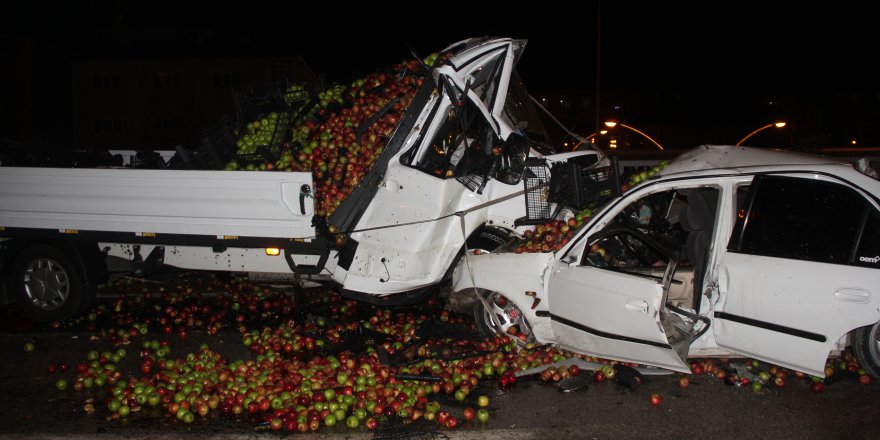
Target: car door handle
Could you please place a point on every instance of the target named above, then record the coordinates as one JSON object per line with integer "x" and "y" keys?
{"x": 637, "y": 305}
{"x": 852, "y": 295}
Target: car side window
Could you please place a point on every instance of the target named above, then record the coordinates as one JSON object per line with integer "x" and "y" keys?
{"x": 623, "y": 252}
{"x": 802, "y": 219}
{"x": 868, "y": 253}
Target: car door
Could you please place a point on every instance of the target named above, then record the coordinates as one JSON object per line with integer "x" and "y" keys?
{"x": 611, "y": 302}
{"x": 799, "y": 272}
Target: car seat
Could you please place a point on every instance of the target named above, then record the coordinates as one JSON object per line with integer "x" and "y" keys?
{"x": 697, "y": 220}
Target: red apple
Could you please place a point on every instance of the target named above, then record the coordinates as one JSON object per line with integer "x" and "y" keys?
{"x": 469, "y": 414}
{"x": 684, "y": 382}
{"x": 656, "y": 399}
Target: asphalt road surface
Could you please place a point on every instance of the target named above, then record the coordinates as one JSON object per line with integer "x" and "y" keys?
{"x": 33, "y": 408}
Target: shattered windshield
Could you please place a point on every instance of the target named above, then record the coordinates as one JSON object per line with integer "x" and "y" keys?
{"x": 522, "y": 113}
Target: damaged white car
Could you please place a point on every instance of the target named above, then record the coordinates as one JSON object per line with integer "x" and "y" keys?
{"x": 729, "y": 251}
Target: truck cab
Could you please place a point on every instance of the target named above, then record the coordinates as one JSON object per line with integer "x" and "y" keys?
{"x": 462, "y": 165}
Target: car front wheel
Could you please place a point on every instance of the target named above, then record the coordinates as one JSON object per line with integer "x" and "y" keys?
{"x": 510, "y": 320}
{"x": 866, "y": 347}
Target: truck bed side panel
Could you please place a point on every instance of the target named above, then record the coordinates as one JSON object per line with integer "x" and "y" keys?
{"x": 222, "y": 203}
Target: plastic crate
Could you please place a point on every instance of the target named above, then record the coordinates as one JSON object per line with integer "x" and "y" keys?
{"x": 292, "y": 107}
{"x": 536, "y": 175}
{"x": 474, "y": 182}
{"x": 148, "y": 160}
{"x": 215, "y": 150}
{"x": 262, "y": 156}
{"x": 575, "y": 186}
{"x": 256, "y": 101}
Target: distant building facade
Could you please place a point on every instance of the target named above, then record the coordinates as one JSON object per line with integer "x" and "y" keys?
{"x": 159, "y": 103}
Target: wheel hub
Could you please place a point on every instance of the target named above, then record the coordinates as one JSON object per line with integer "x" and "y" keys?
{"x": 510, "y": 317}
{"x": 46, "y": 284}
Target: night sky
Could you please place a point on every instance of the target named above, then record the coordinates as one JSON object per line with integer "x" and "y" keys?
{"x": 739, "y": 63}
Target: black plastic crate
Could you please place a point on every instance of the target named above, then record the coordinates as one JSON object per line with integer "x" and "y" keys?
{"x": 262, "y": 156}
{"x": 473, "y": 182}
{"x": 258, "y": 100}
{"x": 575, "y": 186}
{"x": 535, "y": 179}
{"x": 215, "y": 150}
{"x": 292, "y": 107}
{"x": 148, "y": 160}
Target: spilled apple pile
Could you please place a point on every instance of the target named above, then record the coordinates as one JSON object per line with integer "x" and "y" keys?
{"x": 316, "y": 359}
{"x": 340, "y": 138}
{"x": 319, "y": 361}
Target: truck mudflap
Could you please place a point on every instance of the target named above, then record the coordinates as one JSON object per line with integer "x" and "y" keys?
{"x": 317, "y": 247}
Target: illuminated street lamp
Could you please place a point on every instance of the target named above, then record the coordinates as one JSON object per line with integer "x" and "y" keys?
{"x": 779, "y": 124}
{"x": 612, "y": 124}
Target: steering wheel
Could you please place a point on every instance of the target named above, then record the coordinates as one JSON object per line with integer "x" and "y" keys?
{"x": 596, "y": 260}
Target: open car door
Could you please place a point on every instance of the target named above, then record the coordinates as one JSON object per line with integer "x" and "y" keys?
{"x": 615, "y": 308}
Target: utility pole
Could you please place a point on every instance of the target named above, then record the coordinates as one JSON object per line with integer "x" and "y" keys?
{"x": 598, "y": 62}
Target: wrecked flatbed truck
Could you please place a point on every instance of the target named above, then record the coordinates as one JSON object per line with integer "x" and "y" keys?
{"x": 469, "y": 162}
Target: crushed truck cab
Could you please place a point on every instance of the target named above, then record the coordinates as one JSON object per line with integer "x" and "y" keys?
{"x": 459, "y": 165}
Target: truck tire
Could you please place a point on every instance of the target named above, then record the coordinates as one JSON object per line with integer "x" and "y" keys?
{"x": 45, "y": 284}
{"x": 866, "y": 348}
{"x": 488, "y": 239}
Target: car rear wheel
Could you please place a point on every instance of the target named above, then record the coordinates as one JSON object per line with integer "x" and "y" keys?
{"x": 45, "y": 284}
{"x": 866, "y": 347}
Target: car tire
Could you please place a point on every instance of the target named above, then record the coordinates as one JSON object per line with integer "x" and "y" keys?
{"x": 866, "y": 348}
{"x": 45, "y": 284}
{"x": 504, "y": 309}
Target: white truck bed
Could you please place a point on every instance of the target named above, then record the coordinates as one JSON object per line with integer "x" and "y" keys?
{"x": 205, "y": 203}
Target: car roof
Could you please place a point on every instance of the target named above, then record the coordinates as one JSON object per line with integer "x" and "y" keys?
{"x": 714, "y": 158}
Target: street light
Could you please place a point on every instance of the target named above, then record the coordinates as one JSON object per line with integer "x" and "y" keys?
{"x": 612, "y": 124}
{"x": 779, "y": 124}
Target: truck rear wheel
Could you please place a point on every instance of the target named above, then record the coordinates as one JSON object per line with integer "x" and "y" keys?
{"x": 866, "y": 348}
{"x": 488, "y": 239}
{"x": 45, "y": 284}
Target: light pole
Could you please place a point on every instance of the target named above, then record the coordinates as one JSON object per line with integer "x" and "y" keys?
{"x": 612, "y": 124}
{"x": 779, "y": 124}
